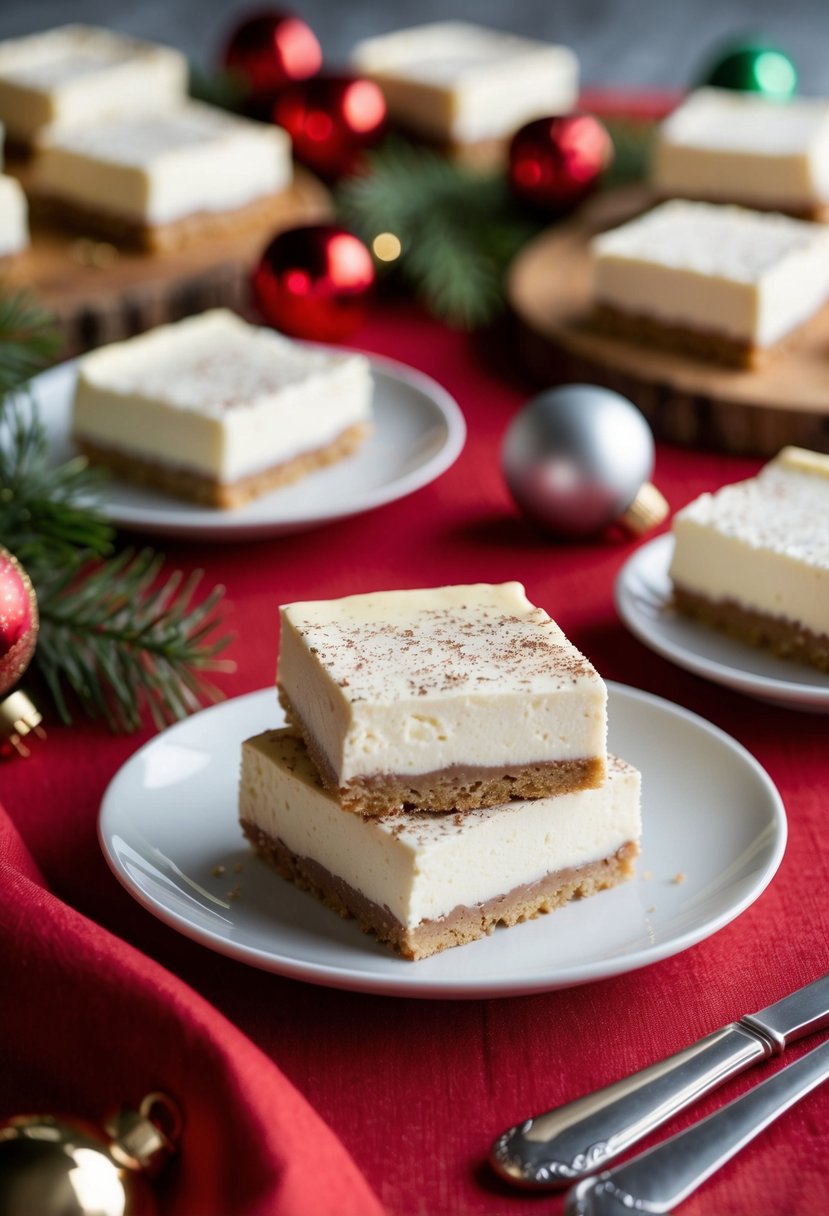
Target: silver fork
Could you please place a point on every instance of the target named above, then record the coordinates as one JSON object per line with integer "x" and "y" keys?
{"x": 657, "y": 1180}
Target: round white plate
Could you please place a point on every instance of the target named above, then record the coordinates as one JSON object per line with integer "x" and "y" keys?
{"x": 419, "y": 432}
{"x": 714, "y": 834}
{"x": 643, "y": 601}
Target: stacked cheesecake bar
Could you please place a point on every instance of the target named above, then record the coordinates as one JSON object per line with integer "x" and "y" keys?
{"x": 444, "y": 769}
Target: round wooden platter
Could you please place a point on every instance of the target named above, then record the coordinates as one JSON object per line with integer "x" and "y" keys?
{"x": 685, "y": 400}
{"x": 99, "y": 294}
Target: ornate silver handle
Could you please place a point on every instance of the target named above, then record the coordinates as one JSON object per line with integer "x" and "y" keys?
{"x": 659, "y": 1179}
{"x": 555, "y": 1149}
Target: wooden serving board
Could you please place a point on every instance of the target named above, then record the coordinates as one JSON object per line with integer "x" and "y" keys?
{"x": 685, "y": 400}
{"x": 99, "y": 294}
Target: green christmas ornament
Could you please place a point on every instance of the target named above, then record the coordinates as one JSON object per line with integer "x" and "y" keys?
{"x": 754, "y": 67}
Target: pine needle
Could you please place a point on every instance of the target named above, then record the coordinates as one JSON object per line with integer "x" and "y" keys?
{"x": 28, "y": 340}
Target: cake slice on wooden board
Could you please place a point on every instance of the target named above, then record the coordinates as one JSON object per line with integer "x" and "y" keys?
{"x": 728, "y": 146}
{"x": 724, "y": 283}
{"x": 77, "y": 76}
{"x": 217, "y": 410}
{"x": 752, "y": 559}
{"x": 163, "y": 181}
{"x": 442, "y": 699}
{"x": 423, "y": 882}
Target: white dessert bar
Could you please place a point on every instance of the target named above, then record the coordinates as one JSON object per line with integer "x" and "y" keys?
{"x": 425, "y": 882}
{"x": 462, "y": 83}
{"x": 78, "y": 75}
{"x": 217, "y": 410}
{"x": 729, "y": 146}
{"x": 161, "y": 181}
{"x": 441, "y": 699}
{"x": 753, "y": 558}
{"x": 14, "y": 223}
{"x": 723, "y": 282}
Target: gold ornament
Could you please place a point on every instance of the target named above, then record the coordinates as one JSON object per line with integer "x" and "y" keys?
{"x": 50, "y": 1167}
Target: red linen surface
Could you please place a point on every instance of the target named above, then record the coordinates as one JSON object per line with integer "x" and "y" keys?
{"x": 103, "y": 1003}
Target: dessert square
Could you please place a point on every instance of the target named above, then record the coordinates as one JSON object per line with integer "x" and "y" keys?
{"x": 79, "y": 75}
{"x": 424, "y": 882}
{"x": 14, "y": 222}
{"x": 162, "y": 181}
{"x": 720, "y": 282}
{"x": 441, "y": 699}
{"x": 728, "y": 146}
{"x": 219, "y": 411}
{"x": 460, "y": 83}
{"x": 752, "y": 559}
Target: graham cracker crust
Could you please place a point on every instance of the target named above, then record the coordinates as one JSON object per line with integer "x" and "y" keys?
{"x": 451, "y": 789}
{"x": 158, "y": 238}
{"x": 195, "y": 487}
{"x": 784, "y": 638}
{"x": 700, "y": 344}
{"x": 463, "y": 924}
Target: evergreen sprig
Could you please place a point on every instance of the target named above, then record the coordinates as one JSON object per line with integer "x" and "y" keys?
{"x": 119, "y": 635}
{"x": 124, "y": 640}
{"x": 458, "y": 229}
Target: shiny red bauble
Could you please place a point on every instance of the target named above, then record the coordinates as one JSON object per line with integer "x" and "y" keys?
{"x": 269, "y": 50}
{"x": 18, "y": 620}
{"x": 314, "y": 282}
{"x": 555, "y": 163}
{"x": 332, "y": 120}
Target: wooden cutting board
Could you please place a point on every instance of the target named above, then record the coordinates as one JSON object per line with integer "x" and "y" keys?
{"x": 99, "y": 294}
{"x": 685, "y": 400}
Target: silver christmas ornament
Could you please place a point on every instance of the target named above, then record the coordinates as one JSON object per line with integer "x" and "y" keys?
{"x": 579, "y": 458}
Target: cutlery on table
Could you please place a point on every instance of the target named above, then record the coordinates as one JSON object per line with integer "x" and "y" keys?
{"x": 553, "y": 1150}
{"x": 657, "y": 1180}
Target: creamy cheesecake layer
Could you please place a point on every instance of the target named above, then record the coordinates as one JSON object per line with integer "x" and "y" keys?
{"x": 729, "y": 146}
{"x": 157, "y": 169}
{"x": 424, "y": 881}
{"x": 441, "y": 697}
{"x": 217, "y": 397}
{"x": 459, "y": 82}
{"x": 14, "y": 222}
{"x": 761, "y": 547}
{"x": 745, "y": 276}
{"x": 77, "y": 75}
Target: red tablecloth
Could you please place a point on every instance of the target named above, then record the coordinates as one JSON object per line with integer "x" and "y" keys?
{"x": 102, "y": 1003}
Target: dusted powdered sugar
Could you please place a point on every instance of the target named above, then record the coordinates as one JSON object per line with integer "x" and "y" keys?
{"x": 710, "y": 239}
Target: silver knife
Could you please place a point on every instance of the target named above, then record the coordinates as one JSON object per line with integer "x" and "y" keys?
{"x": 659, "y": 1179}
{"x": 553, "y": 1150}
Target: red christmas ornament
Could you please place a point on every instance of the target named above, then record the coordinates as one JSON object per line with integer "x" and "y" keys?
{"x": 314, "y": 282}
{"x": 331, "y": 120}
{"x": 554, "y": 163}
{"x": 18, "y": 620}
{"x": 269, "y": 50}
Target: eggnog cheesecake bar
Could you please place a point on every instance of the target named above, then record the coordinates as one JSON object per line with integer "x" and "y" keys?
{"x": 219, "y": 411}
{"x": 720, "y": 282}
{"x": 423, "y": 882}
{"x": 441, "y": 699}
{"x": 14, "y": 224}
{"x": 163, "y": 181}
{"x": 724, "y": 145}
{"x": 752, "y": 559}
{"x": 78, "y": 75}
{"x": 462, "y": 84}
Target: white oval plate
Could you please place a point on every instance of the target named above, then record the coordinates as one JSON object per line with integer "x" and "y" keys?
{"x": 714, "y": 835}
{"x": 419, "y": 432}
{"x": 643, "y": 601}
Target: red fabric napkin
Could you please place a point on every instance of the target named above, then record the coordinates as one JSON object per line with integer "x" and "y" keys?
{"x": 89, "y": 1024}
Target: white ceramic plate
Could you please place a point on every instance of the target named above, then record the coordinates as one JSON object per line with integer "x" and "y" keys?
{"x": 419, "y": 432}
{"x": 643, "y": 601}
{"x": 714, "y": 834}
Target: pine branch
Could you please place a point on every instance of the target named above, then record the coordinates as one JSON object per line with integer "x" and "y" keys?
{"x": 123, "y": 641}
{"x": 28, "y": 340}
{"x": 633, "y": 141}
{"x": 458, "y": 229}
{"x": 48, "y": 513}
